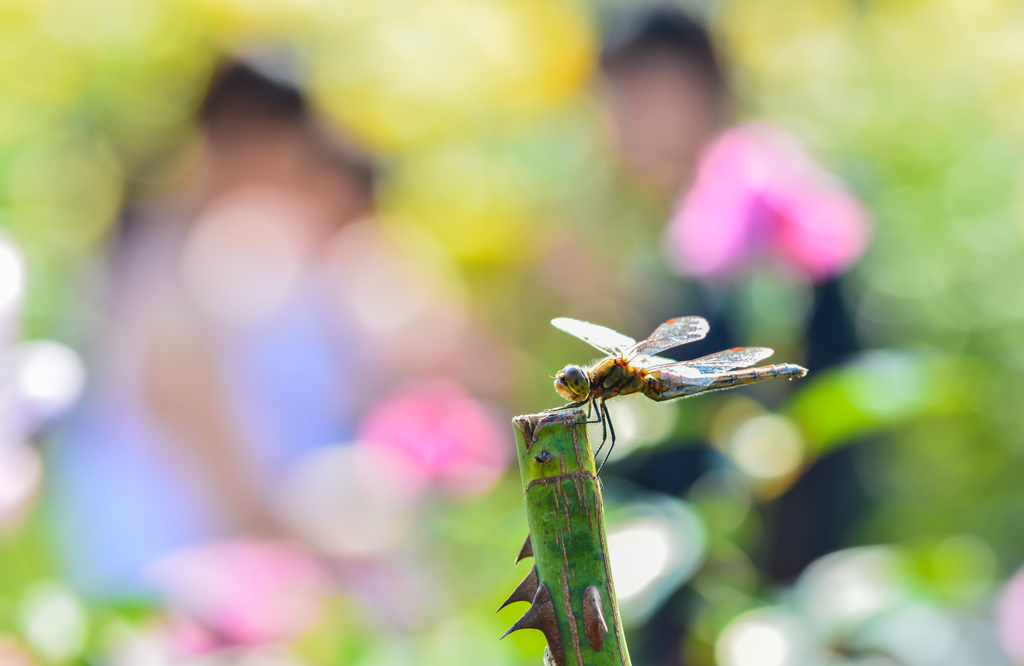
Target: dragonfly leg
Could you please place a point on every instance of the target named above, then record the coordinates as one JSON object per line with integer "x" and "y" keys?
{"x": 611, "y": 429}
{"x": 589, "y": 403}
{"x": 571, "y": 405}
{"x": 589, "y": 407}
{"x": 604, "y": 429}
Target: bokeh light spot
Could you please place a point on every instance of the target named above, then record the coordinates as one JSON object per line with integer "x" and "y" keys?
{"x": 850, "y": 585}
{"x": 49, "y": 375}
{"x": 767, "y": 447}
{"x": 640, "y": 555}
{"x": 53, "y": 621}
{"x": 761, "y": 638}
{"x": 655, "y": 544}
{"x": 12, "y": 275}
{"x": 243, "y": 257}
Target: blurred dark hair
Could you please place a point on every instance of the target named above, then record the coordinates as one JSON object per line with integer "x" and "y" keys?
{"x": 242, "y": 100}
{"x": 633, "y": 40}
{"x": 241, "y": 95}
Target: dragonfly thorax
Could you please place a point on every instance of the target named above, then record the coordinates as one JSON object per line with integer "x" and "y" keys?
{"x": 573, "y": 383}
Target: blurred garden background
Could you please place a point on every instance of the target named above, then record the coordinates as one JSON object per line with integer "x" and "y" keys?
{"x": 275, "y": 276}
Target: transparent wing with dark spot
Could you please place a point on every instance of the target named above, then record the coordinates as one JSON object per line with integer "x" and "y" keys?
{"x": 672, "y": 333}
{"x": 609, "y": 341}
{"x": 730, "y": 359}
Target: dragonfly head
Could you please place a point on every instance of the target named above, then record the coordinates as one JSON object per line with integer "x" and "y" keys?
{"x": 573, "y": 383}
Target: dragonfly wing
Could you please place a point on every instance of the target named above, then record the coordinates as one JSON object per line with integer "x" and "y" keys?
{"x": 672, "y": 333}
{"x": 679, "y": 375}
{"x": 730, "y": 359}
{"x": 609, "y": 341}
{"x": 648, "y": 362}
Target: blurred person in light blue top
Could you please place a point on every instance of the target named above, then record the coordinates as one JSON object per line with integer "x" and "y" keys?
{"x": 223, "y": 356}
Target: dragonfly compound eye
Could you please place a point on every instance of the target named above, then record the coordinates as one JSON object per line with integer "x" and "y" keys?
{"x": 572, "y": 383}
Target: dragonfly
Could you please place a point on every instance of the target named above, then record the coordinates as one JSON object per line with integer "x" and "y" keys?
{"x": 632, "y": 367}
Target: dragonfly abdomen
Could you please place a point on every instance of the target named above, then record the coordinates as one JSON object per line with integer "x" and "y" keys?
{"x": 752, "y": 375}
{"x": 686, "y": 386}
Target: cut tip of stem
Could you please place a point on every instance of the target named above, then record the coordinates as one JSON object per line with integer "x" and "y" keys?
{"x": 531, "y": 424}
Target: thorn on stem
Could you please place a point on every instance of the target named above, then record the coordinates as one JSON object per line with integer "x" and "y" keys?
{"x": 541, "y": 617}
{"x": 526, "y": 550}
{"x": 525, "y": 591}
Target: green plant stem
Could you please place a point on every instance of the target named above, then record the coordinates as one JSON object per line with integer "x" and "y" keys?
{"x": 565, "y": 511}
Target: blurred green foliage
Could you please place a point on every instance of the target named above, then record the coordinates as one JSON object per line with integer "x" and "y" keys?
{"x": 484, "y": 115}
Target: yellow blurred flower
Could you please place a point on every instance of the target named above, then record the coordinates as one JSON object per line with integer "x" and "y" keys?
{"x": 401, "y": 72}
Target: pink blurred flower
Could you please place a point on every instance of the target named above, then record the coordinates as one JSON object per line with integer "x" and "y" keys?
{"x": 1010, "y": 617}
{"x": 758, "y": 192}
{"x": 181, "y": 636}
{"x": 246, "y": 592}
{"x": 449, "y": 437}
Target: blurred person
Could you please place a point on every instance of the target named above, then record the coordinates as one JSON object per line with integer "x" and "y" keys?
{"x": 664, "y": 97}
{"x": 667, "y": 97}
{"x": 733, "y": 193}
{"x": 220, "y": 361}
